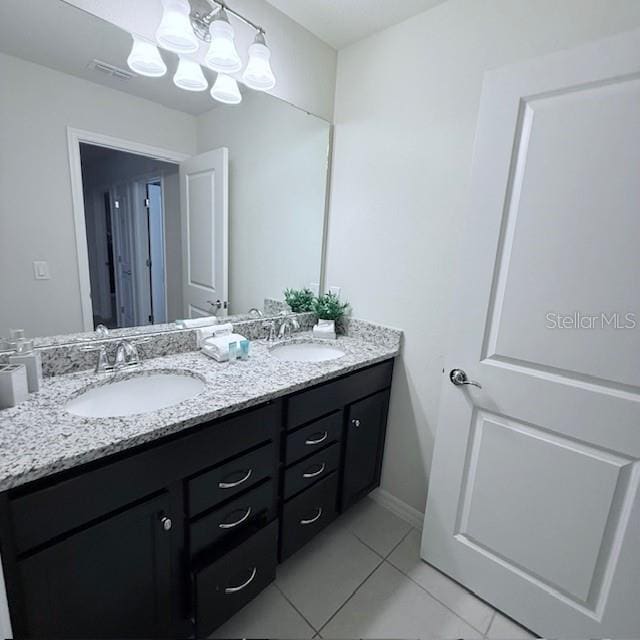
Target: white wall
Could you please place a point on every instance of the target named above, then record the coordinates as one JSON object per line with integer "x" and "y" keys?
{"x": 305, "y": 66}
{"x": 277, "y": 183}
{"x": 405, "y": 113}
{"x": 36, "y": 106}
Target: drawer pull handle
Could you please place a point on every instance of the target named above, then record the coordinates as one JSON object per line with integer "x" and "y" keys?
{"x": 322, "y": 438}
{"x": 231, "y": 485}
{"x": 231, "y": 525}
{"x": 315, "y": 473}
{"x": 240, "y": 587}
{"x": 314, "y": 519}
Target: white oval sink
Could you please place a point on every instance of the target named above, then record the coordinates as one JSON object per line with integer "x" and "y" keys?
{"x": 306, "y": 352}
{"x": 139, "y": 394}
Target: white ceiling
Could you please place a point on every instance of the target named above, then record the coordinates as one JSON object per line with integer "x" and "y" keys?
{"x": 343, "y": 22}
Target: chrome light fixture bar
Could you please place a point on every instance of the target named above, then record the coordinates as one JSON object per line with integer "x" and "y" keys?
{"x": 201, "y": 21}
{"x": 186, "y": 22}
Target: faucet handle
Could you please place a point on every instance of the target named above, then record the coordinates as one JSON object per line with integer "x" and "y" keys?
{"x": 103, "y": 363}
{"x": 270, "y": 325}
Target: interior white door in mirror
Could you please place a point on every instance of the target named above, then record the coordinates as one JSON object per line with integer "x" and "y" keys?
{"x": 533, "y": 497}
{"x": 205, "y": 230}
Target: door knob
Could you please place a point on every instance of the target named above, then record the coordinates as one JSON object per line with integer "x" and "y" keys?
{"x": 166, "y": 523}
{"x": 459, "y": 377}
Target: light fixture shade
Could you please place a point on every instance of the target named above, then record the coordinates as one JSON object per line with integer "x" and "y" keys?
{"x": 189, "y": 76}
{"x": 258, "y": 74}
{"x": 225, "y": 89}
{"x": 222, "y": 55}
{"x": 175, "y": 32}
{"x": 145, "y": 59}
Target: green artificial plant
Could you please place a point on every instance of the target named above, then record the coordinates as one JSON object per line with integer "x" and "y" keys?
{"x": 329, "y": 307}
{"x": 300, "y": 300}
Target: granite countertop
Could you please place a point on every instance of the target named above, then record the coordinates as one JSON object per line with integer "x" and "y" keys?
{"x": 39, "y": 437}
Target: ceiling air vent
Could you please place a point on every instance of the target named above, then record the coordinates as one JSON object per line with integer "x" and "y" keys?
{"x": 111, "y": 70}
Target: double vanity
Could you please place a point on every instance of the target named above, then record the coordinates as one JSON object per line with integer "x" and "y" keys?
{"x": 158, "y": 501}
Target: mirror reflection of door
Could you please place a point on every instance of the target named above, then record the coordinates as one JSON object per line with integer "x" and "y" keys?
{"x": 126, "y": 225}
{"x": 156, "y": 266}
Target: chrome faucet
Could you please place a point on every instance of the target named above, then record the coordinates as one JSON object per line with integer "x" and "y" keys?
{"x": 270, "y": 326}
{"x": 287, "y": 325}
{"x": 126, "y": 355}
{"x": 256, "y": 311}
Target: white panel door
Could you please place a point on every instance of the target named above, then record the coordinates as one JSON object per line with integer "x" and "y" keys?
{"x": 204, "y": 199}
{"x": 533, "y": 497}
{"x": 123, "y": 247}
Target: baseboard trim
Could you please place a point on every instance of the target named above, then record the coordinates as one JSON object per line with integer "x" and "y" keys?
{"x": 414, "y": 517}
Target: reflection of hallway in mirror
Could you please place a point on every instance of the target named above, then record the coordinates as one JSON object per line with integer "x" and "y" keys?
{"x": 131, "y": 217}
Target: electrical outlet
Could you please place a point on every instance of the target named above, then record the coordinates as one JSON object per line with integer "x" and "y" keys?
{"x": 335, "y": 290}
{"x": 41, "y": 270}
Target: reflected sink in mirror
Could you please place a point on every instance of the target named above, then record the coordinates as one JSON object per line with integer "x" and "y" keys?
{"x": 135, "y": 395}
{"x": 306, "y": 352}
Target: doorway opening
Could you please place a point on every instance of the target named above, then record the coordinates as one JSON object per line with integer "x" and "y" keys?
{"x": 131, "y": 212}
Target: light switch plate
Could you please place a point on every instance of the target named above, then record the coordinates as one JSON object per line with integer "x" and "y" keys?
{"x": 335, "y": 290}
{"x": 315, "y": 289}
{"x": 41, "y": 270}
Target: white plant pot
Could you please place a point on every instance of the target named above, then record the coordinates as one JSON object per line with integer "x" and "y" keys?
{"x": 325, "y": 329}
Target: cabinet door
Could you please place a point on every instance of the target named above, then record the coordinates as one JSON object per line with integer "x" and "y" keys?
{"x": 365, "y": 430}
{"x": 109, "y": 580}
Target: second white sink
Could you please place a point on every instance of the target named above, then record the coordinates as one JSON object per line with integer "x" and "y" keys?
{"x": 306, "y": 352}
{"x": 142, "y": 393}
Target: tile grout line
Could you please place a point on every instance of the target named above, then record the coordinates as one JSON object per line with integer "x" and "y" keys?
{"x": 482, "y": 633}
{"x": 284, "y": 595}
{"x": 382, "y": 561}
{"x": 337, "y": 611}
{"x": 455, "y": 613}
{"x": 493, "y": 617}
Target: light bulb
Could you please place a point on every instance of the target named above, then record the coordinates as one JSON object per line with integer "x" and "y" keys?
{"x": 222, "y": 55}
{"x": 258, "y": 74}
{"x": 175, "y": 32}
{"x": 189, "y": 76}
{"x": 225, "y": 89}
{"x": 145, "y": 59}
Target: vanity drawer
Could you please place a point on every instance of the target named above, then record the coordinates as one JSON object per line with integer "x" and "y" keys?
{"x": 212, "y": 487}
{"x": 319, "y": 401}
{"x": 313, "y": 437}
{"x": 224, "y": 587}
{"x": 233, "y": 517}
{"x": 51, "y": 507}
{"x": 307, "y": 514}
{"x": 309, "y": 471}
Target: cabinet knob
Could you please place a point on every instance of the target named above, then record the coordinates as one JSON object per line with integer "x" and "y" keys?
{"x": 355, "y": 422}
{"x": 166, "y": 523}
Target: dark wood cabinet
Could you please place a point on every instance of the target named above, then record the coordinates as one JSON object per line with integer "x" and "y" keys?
{"x": 364, "y": 443}
{"x": 173, "y": 537}
{"x": 111, "y": 579}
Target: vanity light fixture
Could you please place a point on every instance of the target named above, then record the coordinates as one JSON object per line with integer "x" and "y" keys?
{"x": 183, "y": 28}
{"x": 225, "y": 89}
{"x": 258, "y": 74}
{"x": 145, "y": 59}
{"x": 175, "y": 32}
{"x": 222, "y": 55}
{"x": 189, "y": 76}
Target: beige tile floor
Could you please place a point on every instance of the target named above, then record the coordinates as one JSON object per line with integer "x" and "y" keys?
{"x": 363, "y": 578}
